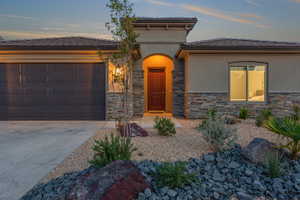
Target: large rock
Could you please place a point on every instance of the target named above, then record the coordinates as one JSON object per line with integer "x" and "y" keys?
{"x": 136, "y": 130}
{"x": 258, "y": 149}
{"x": 120, "y": 180}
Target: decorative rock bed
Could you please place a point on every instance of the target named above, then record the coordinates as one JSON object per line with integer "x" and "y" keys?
{"x": 222, "y": 175}
{"x": 120, "y": 180}
{"x": 227, "y": 175}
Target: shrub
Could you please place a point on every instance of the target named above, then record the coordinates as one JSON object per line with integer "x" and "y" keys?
{"x": 296, "y": 113}
{"x": 273, "y": 164}
{"x": 110, "y": 149}
{"x": 212, "y": 113}
{"x": 164, "y": 126}
{"x": 173, "y": 175}
{"x": 263, "y": 116}
{"x": 244, "y": 113}
{"x": 289, "y": 129}
{"x": 218, "y": 135}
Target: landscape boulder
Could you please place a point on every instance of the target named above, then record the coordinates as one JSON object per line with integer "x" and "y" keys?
{"x": 258, "y": 149}
{"x": 136, "y": 130}
{"x": 120, "y": 180}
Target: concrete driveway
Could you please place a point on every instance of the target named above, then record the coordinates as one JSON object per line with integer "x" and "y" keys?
{"x": 30, "y": 150}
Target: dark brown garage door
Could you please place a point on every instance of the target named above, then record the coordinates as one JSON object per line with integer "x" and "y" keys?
{"x": 52, "y": 91}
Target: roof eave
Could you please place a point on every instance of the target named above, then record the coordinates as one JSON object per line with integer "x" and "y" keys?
{"x": 16, "y": 47}
{"x": 182, "y": 51}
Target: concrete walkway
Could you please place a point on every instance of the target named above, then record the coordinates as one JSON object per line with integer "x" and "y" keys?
{"x": 30, "y": 150}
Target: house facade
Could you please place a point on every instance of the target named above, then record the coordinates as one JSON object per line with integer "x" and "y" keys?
{"x": 66, "y": 78}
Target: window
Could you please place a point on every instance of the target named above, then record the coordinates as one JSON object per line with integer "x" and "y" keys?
{"x": 248, "y": 82}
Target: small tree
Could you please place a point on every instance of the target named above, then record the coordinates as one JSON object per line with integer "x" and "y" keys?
{"x": 122, "y": 29}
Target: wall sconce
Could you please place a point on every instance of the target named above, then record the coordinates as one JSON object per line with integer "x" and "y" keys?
{"x": 118, "y": 74}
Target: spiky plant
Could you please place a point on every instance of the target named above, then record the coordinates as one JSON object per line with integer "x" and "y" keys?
{"x": 287, "y": 128}
{"x": 111, "y": 149}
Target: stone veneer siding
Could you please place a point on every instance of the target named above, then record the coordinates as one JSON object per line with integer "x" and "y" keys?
{"x": 138, "y": 90}
{"x": 197, "y": 104}
{"x": 114, "y": 108}
{"x": 178, "y": 89}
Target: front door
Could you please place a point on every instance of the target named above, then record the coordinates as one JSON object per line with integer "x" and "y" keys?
{"x": 156, "y": 89}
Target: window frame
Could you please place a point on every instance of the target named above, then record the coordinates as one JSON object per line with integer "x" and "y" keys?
{"x": 248, "y": 64}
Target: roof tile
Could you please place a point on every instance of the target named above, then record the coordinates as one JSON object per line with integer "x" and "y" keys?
{"x": 60, "y": 43}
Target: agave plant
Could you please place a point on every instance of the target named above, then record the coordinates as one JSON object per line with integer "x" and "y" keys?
{"x": 288, "y": 128}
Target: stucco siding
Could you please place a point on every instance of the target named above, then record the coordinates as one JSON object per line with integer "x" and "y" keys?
{"x": 176, "y": 36}
{"x": 164, "y": 49}
{"x": 209, "y": 72}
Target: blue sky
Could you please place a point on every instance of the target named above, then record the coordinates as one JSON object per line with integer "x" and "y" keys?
{"x": 253, "y": 19}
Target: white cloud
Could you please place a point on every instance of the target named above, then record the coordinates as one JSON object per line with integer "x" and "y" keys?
{"x": 160, "y": 3}
{"x": 17, "y": 17}
{"x": 253, "y": 3}
{"x": 243, "y": 18}
{"x": 216, "y": 14}
{"x": 9, "y": 34}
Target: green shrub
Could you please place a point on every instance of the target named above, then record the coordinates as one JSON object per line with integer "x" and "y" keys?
{"x": 273, "y": 164}
{"x": 164, "y": 126}
{"x": 263, "y": 116}
{"x": 289, "y": 129}
{"x": 218, "y": 135}
{"x": 212, "y": 113}
{"x": 173, "y": 175}
{"x": 244, "y": 113}
{"x": 110, "y": 149}
{"x": 296, "y": 113}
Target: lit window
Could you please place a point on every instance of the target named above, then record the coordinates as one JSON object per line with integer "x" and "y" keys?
{"x": 248, "y": 83}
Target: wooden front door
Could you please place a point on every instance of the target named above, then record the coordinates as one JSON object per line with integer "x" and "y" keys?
{"x": 156, "y": 89}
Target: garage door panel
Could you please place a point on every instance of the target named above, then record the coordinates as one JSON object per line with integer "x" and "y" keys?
{"x": 62, "y": 74}
{"x": 9, "y": 76}
{"x": 52, "y": 91}
{"x": 33, "y": 75}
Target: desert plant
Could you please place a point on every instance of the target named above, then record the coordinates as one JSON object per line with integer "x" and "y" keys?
{"x": 212, "y": 113}
{"x": 173, "y": 175}
{"x": 218, "y": 135}
{"x": 273, "y": 164}
{"x": 110, "y": 149}
{"x": 289, "y": 129}
{"x": 263, "y": 116}
{"x": 164, "y": 126}
{"x": 296, "y": 113}
{"x": 244, "y": 113}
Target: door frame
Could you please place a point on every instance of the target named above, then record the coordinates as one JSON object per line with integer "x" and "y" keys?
{"x": 148, "y": 88}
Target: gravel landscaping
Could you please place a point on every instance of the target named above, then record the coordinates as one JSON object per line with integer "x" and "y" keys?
{"x": 187, "y": 143}
{"x": 220, "y": 176}
{"x": 227, "y": 175}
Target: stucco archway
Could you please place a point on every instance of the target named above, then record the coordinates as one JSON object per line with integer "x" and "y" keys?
{"x": 159, "y": 61}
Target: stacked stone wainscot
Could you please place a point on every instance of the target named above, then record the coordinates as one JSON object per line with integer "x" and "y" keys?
{"x": 197, "y": 104}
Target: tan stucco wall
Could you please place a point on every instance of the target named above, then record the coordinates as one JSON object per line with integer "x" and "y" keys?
{"x": 164, "y": 49}
{"x": 209, "y": 72}
{"x": 162, "y": 35}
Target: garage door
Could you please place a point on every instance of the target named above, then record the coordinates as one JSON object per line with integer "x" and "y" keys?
{"x": 52, "y": 91}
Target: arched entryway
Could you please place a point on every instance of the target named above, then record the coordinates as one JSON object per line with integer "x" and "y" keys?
{"x": 158, "y": 82}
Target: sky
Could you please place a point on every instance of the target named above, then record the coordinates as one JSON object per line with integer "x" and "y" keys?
{"x": 250, "y": 19}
